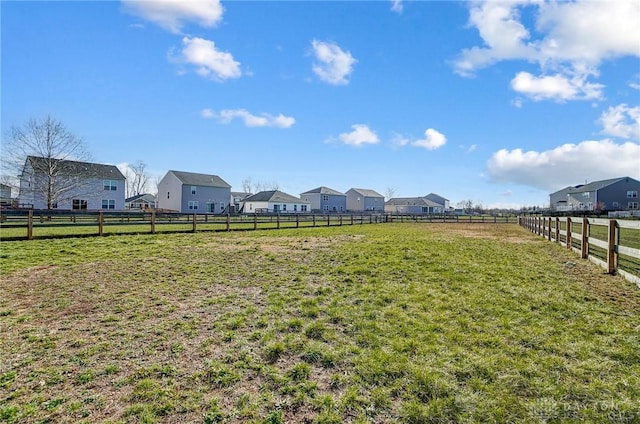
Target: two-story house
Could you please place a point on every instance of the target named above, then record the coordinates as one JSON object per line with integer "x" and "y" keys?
{"x": 617, "y": 194}
{"x": 189, "y": 192}
{"x": 324, "y": 199}
{"x": 48, "y": 183}
{"x": 361, "y": 199}
{"x": 413, "y": 206}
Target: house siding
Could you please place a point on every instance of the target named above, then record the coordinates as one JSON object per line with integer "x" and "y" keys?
{"x": 90, "y": 189}
{"x": 169, "y": 193}
{"x": 205, "y": 195}
{"x": 357, "y": 201}
{"x": 334, "y": 202}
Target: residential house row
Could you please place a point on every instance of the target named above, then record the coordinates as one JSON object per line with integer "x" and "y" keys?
{"x": 93, "y": 186}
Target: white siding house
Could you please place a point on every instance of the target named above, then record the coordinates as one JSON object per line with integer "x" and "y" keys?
{"x": 274, "y": 201}
{"x": 47, "y": 183}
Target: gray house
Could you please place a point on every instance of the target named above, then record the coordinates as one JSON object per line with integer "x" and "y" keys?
{"x": 274, "y": 201}
{"x": 324, "y": 199}
{"x": 617, "y": 194}
{"x": 5, "y": 195}
{"x": 413, "y": 206}
{"x": 140, "y": 202}
{"x": 189, "y": 192}
{"x": 47, "y": 183}
{"x": 439, "y": 200}
{"x": 361, "y": 199}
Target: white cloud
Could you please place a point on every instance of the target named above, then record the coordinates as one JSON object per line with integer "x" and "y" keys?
{"x": 333, "y": 65}
{"x": 250, "y": 120}
{"x": 432, "y": 140}
{"x": 173, "y": 14}
{"x": 397, "y": 6}
{"x": 399, "y": 140}
{"x": 209, "y": 61}
{"x": 565, "y": 165}
{"x": 621, "y": 121}
{"x": 574, "y": 38}
{"x": 360, "y": 136}
{"x": 555, "y": 87}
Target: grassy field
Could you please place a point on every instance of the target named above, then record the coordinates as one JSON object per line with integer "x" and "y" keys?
{"x": 412, "y": 323}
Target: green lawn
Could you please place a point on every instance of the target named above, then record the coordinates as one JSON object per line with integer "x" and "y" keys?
{"x": 413, "y": 323}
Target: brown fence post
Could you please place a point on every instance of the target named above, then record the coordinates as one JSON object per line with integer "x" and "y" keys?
{"x": 153, "y": 222}
{"x": 194, "y": 223}
{"x": 351, "y": 219}
{"x": 278, "y": 221}
{"x": 611, "y": 249}
{"x": 340, "y": 220}
{"x": 584, "y": 243}
{"x": 100, "y": 223}
{"x": 550, "y": 227}
{"x": 255, "y": 221}
{"x": 30, "y": 226}
{"x": 314, "y": 220}
{"x": 297, "y": 220}
{"x": 557, "y": 230}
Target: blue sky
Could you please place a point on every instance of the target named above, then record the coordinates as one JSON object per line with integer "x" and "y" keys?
{"x": 500, "y": 103}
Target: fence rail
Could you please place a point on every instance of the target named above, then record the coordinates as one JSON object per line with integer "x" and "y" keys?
{"x": 35, "y": 224}
{"x": 614, "y": 244}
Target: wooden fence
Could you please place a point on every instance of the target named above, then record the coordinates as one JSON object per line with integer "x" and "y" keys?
{"x": 613, "y": 244}
{"x": 35, "y": 224}
{"x": 28, "y": 225}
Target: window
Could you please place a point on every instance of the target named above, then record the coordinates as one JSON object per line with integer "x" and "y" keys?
{"x": 193, "y": 189}
{"x": 615, "y": 204}
{"x": 295, "y": 208}
{"x": 590, "y": 205}
{"x": 108, "y": 204}
{"x": 632, "y": 194}
{"x": 326, "y": 208}
{"x": 276, "y": 208}
{"x": 585, "y": 194}
{"x": 325, "y": 197}
{"x": 193, "y": 205}
{"x": 79, "y": 205}
{"x": 222, "y": 206}
{"x": 54, "y": 205}
{"x": 303, "y": 208}
{"x": 633, "y": 205}
{"x": 168, "y": 194}
{"x": 111, "y": 185}
{"x": 211, "y": 207}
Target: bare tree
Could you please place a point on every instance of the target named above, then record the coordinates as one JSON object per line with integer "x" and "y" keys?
{"x": 42, "y": 156}
{"x": 466, "y": 205}
{"x": 137, "y": 178}
{"x": 246, "y": 185}
{"x": 390, "y": 192}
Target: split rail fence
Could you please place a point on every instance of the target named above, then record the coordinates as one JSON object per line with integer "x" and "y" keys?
{"x": 35, "y": 224}
{"x": 614, "y": 244}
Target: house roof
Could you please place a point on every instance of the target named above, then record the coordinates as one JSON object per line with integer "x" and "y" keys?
{"x": 367, "y": 193}
{"x": 240, "y": 194}
{"x": 436, "y": 198}
{"x": 273, "y": 196}
{"x": 83, "y": 169}
{"x": 324, "y": 190}
{"x": 593, "y": 186}
{"x": 204, "y": 180}
{"x": 146, "y": 197}
{"x": 412, "y": 201}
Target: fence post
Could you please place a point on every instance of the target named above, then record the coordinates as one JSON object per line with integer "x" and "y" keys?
{"x": 569, "y": 233}
{"x": 278, "y": 221}
{"x": 30, "y": 226}
{"x": 297, "y": 220}
{"x": 194, "y": 223}
{"x": 584, "y": 243}
{"x": 153, "y": 222}
{"x": 611, "y": 249}
{"x": 557, "y": 230}
{"x": 228, "y": 222}
{"x": 550, "y": 227}
{"x": 100, "y": 223}
{"x": 255, "y": 221}
{"x": 351, "y": 219}
{"x": 314, "y": 220}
